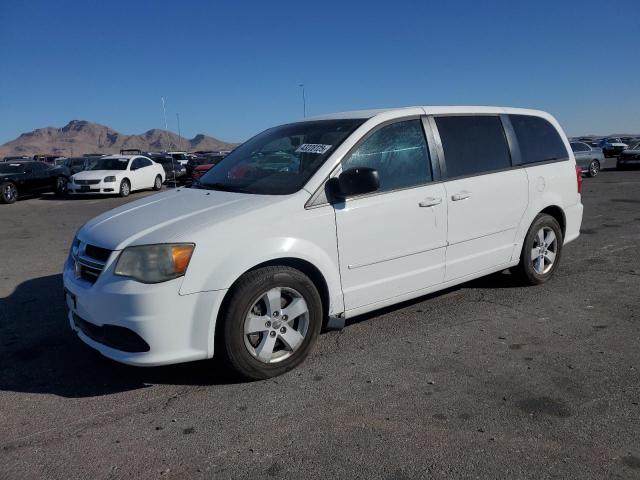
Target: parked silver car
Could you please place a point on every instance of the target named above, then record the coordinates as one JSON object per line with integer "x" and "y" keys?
{"x": 588, "y": 158}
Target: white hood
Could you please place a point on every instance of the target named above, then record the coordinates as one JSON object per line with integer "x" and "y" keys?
{"x": 172, "y": 216}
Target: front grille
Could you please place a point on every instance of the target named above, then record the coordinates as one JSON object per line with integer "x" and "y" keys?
{"x": 120, "y": 338}
{"x": 97, "y": 253}
{"x": 90, "y": 262}
{"x": 87, "y": 182}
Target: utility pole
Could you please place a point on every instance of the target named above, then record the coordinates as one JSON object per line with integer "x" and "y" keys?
{"x": 179, "y": 134}
{"x": 166, "y": 131}
{"x": 166, "y": 126}
{"x": 304, "y": 101}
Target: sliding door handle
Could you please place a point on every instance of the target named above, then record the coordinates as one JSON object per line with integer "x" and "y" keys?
{"x": 430, "y": 202}
{"x": 460, "y": 196}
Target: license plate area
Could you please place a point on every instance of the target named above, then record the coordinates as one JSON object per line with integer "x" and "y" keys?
{"x": 85, "y": 188}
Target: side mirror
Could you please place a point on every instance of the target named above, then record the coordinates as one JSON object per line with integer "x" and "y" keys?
{"x": 355, "y": 181}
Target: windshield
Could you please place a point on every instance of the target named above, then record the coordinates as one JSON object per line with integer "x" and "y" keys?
{"x": 110, "y": 164}
{"x": 636, "y": 147}
{"x": 279, "y": 161}
{"x": 12, "y": 167}
{"x": 179, "y": 156}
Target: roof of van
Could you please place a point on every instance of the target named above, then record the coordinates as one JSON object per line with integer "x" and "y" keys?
{"x": 428, "y": 110}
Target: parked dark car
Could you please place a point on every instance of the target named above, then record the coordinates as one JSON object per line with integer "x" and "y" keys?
{"x": 612, "y": 146}
{"x": 175, "y": 172}
{"x": 629, "y": 158}
{"x": 200, "y": 159}
{"x": 205, "y": 164}
{"x": 79, "y": 164}
{"x": 22, "y": 178}
{"x": 16, "y": 158}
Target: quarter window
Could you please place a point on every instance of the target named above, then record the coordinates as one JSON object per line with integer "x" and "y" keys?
{"x": 579, "y": 147}
{"x": 473, "y": 144}
{"x": 539, "y": 141}
{"x": 398, "y": 152}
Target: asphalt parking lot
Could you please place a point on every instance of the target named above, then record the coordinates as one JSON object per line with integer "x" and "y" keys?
{"x": 485, "y": 380}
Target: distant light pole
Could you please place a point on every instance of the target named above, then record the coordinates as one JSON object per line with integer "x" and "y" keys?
{"x": 179, "y": 134}
{"x": 166, "y": 125}
{"x": 304, "y": 101}
{"x": 166, "y": 132}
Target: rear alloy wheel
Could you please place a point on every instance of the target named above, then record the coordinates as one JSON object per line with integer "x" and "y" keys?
{"x": 8, "y": 192}
{"x": 157, "y": 184}
{"x": 270, "y": 322}
{"x": 125, "y": 188}
{"x": 594, "y": 168}
{"x": 541, "y": 250}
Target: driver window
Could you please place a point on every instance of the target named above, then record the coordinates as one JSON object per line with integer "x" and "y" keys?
{"x": 398, "y": 152}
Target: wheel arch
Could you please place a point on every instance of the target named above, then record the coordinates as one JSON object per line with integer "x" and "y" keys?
{"x": 304, "y": 266}
{"x": 558, "y": 213}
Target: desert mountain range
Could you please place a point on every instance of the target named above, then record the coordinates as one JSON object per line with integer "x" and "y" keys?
{"x": 79, "y": 137}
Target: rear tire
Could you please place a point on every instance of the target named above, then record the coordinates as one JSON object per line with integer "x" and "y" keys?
{"x": 594, "y": 168}
{"x": 8, "y": 192}
{"x": 541, "y": 250}
{"x": 157, "y": 183}
{"x": 125, "y": 188}
{"x": 269, "y": 324}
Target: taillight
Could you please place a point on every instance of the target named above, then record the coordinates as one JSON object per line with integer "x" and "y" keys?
{"x": 579, "y": 178}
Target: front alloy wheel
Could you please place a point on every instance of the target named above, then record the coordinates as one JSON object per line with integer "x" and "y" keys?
{"x": 8, "y": 192}
{"x": 276, "y": 325}
{"x": 269, "y": 322}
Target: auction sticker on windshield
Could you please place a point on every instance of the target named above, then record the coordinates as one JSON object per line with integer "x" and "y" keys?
{"x": 313, "y": 148}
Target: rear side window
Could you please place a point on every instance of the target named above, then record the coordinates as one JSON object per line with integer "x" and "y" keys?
{"x": 398, "y": 152}
{"x": 539, "y": 141}
{"x": 473, "y": 144}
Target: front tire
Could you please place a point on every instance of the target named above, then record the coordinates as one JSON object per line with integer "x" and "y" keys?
{"x": 541, "y": 250}
{"x": 270, "y": 322}
{"x": 125, "y": 188}
{"x": 157, "y": 183}
{"x": 60, "y": 186}
{"x": 8, "y": 192}
{"x": 594, "y": 168}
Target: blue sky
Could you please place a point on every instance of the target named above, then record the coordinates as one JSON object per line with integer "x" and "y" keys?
{"x": 232, "y": 68}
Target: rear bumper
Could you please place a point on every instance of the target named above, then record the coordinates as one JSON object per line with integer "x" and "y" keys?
{"x": 573, "y": 217}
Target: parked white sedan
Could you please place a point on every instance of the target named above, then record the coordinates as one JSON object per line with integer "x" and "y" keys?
{"x": 119, "y": 174}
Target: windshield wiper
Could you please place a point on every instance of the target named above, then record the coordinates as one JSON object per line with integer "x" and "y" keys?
{"x": 222, "y": 187}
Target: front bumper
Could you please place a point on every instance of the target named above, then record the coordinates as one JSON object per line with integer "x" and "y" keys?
{"x": 176, "y": 328}
{"x": 107, "y": 188}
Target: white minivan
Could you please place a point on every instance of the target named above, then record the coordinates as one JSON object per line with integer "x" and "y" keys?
{"x": 311, "y": 223}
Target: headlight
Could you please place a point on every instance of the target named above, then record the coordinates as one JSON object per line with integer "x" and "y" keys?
{"x": 154, "y": 263}
{"x": 109, "y": 179}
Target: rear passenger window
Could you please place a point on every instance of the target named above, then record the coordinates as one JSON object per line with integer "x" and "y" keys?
{"x": 539, "y": 141}
{"x": 473, "y": 144}
{"x": 398, "y": 152}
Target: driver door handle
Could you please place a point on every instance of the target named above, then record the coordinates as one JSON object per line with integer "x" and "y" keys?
{"x": 460, "y": 196}
{"x": 430, "y": 202}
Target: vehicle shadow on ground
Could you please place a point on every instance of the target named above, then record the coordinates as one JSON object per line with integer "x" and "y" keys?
{"x": 40, "y": 354}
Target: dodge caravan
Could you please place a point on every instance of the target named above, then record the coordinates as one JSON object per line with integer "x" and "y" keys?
{"x": 311, "y": 223}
